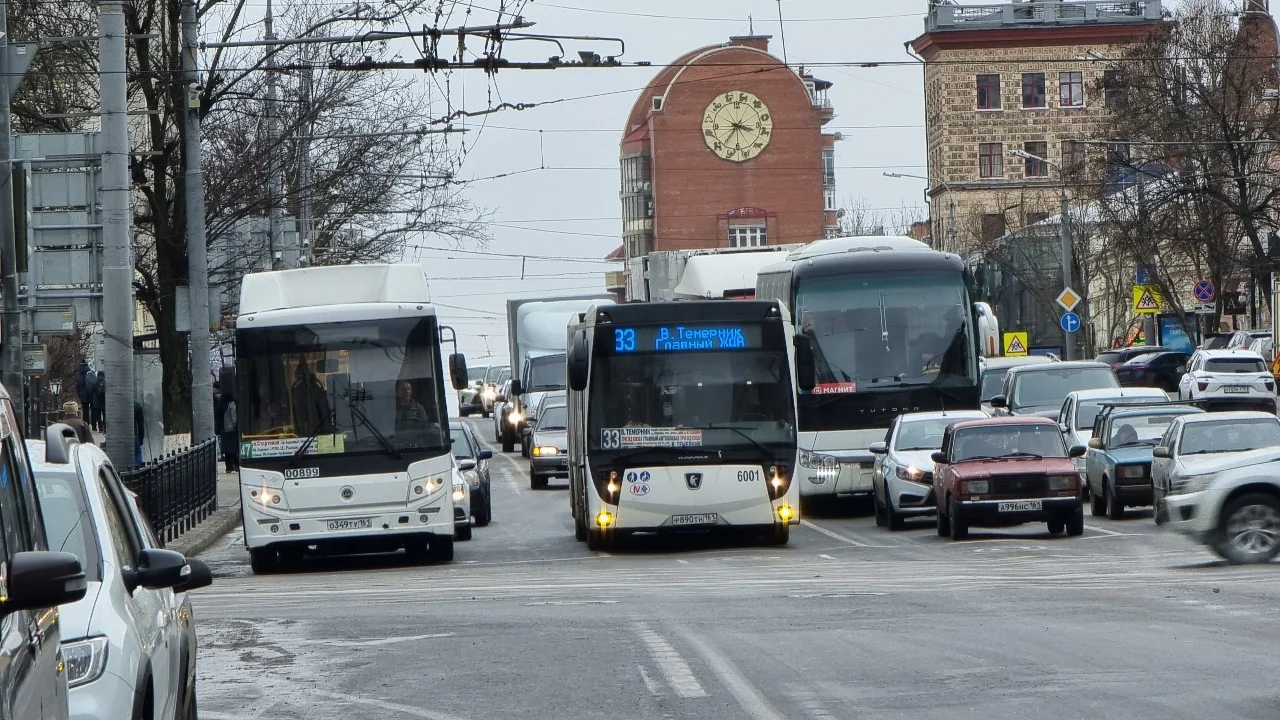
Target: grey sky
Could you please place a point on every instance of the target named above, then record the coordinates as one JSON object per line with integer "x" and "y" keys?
{"x": 574, "y": 213}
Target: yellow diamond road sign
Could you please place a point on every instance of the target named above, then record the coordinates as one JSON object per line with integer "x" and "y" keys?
{"x": 1015, "y": 344}
{"x": 1068, "y": 299}
{"x": 1146, "y": 299}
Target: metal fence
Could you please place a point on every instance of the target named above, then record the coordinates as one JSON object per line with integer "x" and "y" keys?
{"x": 178, "y": 490}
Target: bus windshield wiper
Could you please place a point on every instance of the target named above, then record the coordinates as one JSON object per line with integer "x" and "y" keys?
{"x": 311, "y": 439}
{"x": 759, "y": 445}
{"x": 360, "y": 417}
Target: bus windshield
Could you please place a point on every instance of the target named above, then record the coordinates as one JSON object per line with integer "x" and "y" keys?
{"x": 691, "y": 399}
{"x": 887, "y": 331}
{"x": 341, "y": 388}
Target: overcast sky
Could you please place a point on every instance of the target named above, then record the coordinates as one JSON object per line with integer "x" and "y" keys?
{"x": 571, "y": 209}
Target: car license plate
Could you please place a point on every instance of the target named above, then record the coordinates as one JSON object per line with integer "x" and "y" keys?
{"x": 703, "y": 519}
{"x": 1020, "y": 506}
{"x": 1235, "y": 389}
{"x": 351, "y": 524}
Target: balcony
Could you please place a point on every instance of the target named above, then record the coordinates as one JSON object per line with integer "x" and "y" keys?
{"x": 1043, "y": 13}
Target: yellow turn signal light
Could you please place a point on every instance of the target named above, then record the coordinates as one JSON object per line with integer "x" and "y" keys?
{"x": 604, "y": 519}
{"x": 785, "y": 513}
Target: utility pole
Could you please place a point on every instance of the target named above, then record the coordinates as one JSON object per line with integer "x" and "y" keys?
{"x": 1064, "y": 233}
{"x": 1148, "y": 320}
{"x": 275, "y": 242}
{"x": 11, "y": 324}
{"x": 197, "y": 262}
{"x": 117, "y": 256}
{"x": 304, "y": 168}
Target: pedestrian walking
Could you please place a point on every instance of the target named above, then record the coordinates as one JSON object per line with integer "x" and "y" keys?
{"x": 230, "y": 430}
{"x": 139, "y": 429}
{"x": 71, "y": 417}
{"x": 84, "y": 382}
{"x": 217, "y": 416}
{"x": 99, "y": 420}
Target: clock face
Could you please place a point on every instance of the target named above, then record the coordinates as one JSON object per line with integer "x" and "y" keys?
{"x": 737, "y": 126}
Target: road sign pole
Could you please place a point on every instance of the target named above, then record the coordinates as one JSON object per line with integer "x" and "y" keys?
{"x": 1064, "y": 231}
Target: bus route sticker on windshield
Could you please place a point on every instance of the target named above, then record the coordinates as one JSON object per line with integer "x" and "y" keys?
{"x": 638, "y": 437}
{"x": 283, "y": 447}
{"x": 841, "y": 388}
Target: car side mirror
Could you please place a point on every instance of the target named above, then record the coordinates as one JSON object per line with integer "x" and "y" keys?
{"x": 999, "y": 401}
{"x": 484, "y": 455}
{"x": 517, "y": 388}
{"x": 1162, "y": 452}
{"x": 43, "y": 580}
{"x": 157, "y": 569}
{"x": 806, "y": 367}
{"x": 1095, "y": 443}
{"x": 458, "y": 370}
{"x": 879, "y": 448}
{"x": 198, "y": 576}
{"x": 466, "y": 464}
{"x": 1078, "y": 450}
{"x": 939, "y": 457}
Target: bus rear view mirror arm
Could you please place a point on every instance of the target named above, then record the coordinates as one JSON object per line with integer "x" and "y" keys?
{"x": 806, "y": 372}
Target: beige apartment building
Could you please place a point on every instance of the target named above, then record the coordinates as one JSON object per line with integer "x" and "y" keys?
{"x": 1032, "y": 77}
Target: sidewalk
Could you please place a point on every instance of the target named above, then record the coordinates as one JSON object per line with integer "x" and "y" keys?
{"x": 222, "y": 521}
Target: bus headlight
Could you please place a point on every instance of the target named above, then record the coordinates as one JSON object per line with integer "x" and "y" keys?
{"x": 425, "y": 488}
{"x": 779, "y": 480}
{"x": 826, "y": 467}
{"x": 266, "y": 497}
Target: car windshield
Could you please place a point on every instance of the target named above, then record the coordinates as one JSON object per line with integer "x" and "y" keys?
{"x": 461, "y": 443}
{"x": 1202, "y": 438}
{"x": 1005, "y": 440}
{"x": 546, "y": 373}
{"x": 1134, "y": 430}
{"x": 1111, "y": 358}
{"x": 554, "y": 418}
{"x": 992, "y": 381}
{"x": 67, "y": 522}
{"x": 1048, "y": 388}
{"x": 1088, "y": 411}
{"x": 922, "y": 434}
{"x": 887, "y": 331}
{"x": 476, "y": 374}
{"x": 1235, "y": 365}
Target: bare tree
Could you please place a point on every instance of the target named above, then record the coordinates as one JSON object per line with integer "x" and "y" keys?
{"x": 857, "y": 217}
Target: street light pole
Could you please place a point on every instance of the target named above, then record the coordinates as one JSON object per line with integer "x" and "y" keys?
{"x": 1064, "y": 235}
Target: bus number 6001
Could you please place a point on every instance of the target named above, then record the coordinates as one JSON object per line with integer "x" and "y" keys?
{"x": 748, "y": 475}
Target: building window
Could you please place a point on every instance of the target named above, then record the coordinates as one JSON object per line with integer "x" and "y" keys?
{"x": 1072, "y": 156}
{"x": 992, "y": 226}
{"x": 829, "y": 200}
{"x": 1071, "y": 89}
{"x": 1118, "y": 154}
{"x": 741, "y": 236}
{"x": 990, "y": 160}
{"x": 1033, "y": 90}
{"x": 1036, "y": 168}
{"x": 829, "y": 166}
{"x": 988, "y": 92}
{"x": 1035, "y": 217}
{"x": 1113, "y": 89}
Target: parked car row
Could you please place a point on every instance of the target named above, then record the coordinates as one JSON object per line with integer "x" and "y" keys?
{"x": 95, "y": 621}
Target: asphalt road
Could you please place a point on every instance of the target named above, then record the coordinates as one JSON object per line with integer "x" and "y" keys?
{"x": 848, "y": 621}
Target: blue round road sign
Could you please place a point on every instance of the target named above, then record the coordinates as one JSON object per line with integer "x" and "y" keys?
{"x": 1070, "y": 322}
{"x": 1204, "y": 291}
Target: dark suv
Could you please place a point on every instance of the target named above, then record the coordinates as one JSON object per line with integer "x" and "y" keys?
{"x": 33, "y": 683}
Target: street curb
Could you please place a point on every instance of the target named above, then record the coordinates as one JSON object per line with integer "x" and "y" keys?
{"x": 201, "y": 537}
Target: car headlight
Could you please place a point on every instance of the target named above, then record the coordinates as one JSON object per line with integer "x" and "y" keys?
{"x": 490, "y": 395}
{"x": 1133, "y": 471}
{"x": 85, "y": 660}
{"x": 1191, "y": 484}
{"x": 459, "y": 493}
{"x": 515, "y": 417}
{"x": 910, "y": 472}
{"x": 1059, "y": 483}
{"x": 472, "y": 477}
{"x": 544, "y": 450}
{"x": 977, "y": 487}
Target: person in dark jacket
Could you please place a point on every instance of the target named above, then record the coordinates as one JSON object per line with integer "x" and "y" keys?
{"x": 230, "y": 432}
{"x": 139, "y": 429}
{"x": 84, "y": 382}
{"x": 71, "y": 417}
{"x": 99, "y": 420}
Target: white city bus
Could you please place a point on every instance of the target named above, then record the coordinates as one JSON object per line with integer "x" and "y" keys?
{"x": 682, "y": 416}
{"x": 340, "y": 397}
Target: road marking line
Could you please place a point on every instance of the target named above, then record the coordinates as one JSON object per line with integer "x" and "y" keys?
{"x": 826, "y": 557}
{"x": 673, "y": 667}
{"x": 375, "y": 642}
{"x": 754, "y": 703}
{"x": 649, "y": 681}
{"x": 833, "y": 534}
{"x": 384, "y": 705}
{"x": 683, "y": 562}
{"x": 1104, "y": 531}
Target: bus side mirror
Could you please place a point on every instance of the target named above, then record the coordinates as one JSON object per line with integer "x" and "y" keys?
{"x": 806, "y": 372}
{"x": 458, "y": 370}
{"x": 579, "y": 365}
{"x": 517, "y": 389}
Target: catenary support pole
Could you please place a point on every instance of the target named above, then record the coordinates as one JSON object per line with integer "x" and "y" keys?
{"x": 197, "y": 262}
{"x": 11, "y": 322}
{"x": 275, "y": 165}
{"x": 1064, "y": 229}
{"x": 117, "y": 256}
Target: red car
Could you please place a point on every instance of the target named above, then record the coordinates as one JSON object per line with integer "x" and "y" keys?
{"x": 997, "y": 472}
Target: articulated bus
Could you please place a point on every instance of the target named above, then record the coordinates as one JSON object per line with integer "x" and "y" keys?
{"x": 682, "y": 418}
{"x": 893, "y": 330}
{"x": 340, "y": 397}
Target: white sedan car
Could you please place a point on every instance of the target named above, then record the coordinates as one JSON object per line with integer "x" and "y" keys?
{"x": 902, "y": 483}
{"x": 129, "y": 646}
{"x": 1216, "y": 479}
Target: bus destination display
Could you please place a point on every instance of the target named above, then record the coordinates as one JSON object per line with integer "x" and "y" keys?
{"x": 685, "y": 338}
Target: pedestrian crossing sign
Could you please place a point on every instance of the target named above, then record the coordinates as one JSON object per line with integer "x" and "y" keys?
{"x": 1015, "y": 344}
{"x": 1146, "y": 299}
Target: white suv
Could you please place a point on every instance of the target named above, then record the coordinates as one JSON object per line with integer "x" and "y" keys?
{"x": 1228, "y": 380}
{"x": 130, "y": 644}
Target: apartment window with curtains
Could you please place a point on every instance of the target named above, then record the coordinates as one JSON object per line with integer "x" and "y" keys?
{"x": 1071, "y": 89}
{"x": 990, "y": 160}
{"x": 1036, "y": 168}
{"x": 988, "y": 92}
{"x": 1033, "y": 90}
